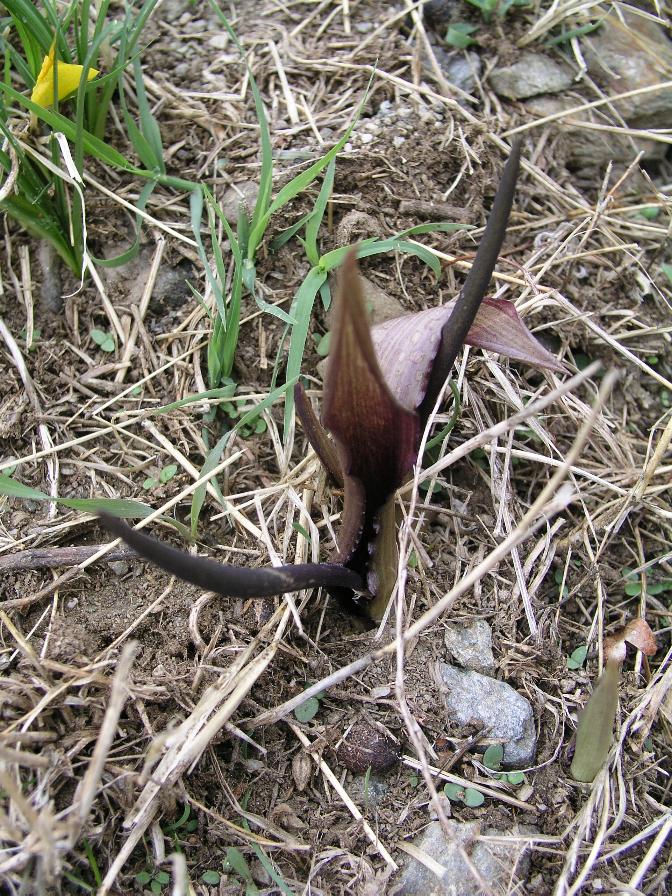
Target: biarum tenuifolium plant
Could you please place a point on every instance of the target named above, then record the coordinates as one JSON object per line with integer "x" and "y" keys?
{"x": 594, "y": 733}
{"x": 380, "y": 389}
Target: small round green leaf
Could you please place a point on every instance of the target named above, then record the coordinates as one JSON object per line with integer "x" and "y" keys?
{"x": 211, "y": 877}
{"x": 307, "y": 710}
{"x": 473, "y": 798}
{"x": 577, "y": 658}
{"x": 515, "y": 778}
{"x": 492, "y": 758}
{"x": 167, "y": 473}
{"x": 454, "y": 792}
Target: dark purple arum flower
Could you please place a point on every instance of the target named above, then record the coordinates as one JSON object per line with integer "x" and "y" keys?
{"x": 380, "y": 388}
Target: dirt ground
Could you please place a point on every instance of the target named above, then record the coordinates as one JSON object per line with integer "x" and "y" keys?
{"x": 203, "y": 757}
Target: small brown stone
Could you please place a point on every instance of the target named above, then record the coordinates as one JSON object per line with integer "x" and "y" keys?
{"x": 366, "y": 747}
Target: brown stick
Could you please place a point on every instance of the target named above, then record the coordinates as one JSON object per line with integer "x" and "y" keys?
{"x": 46, "y": 558}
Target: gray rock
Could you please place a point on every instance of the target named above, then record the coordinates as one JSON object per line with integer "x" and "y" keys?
{"x": 628, "y": 54}
{"x": 470, "y": 645}
{"x": 506, "y": 714}
{"x": 460, "y": 67}
{"x": 587, "y": 148}
{"x": 380, "y": 305}
{"x": 500, "y": 865}
{"x": 533, "y": 74}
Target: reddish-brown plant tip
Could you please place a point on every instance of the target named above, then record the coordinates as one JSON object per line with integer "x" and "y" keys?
{"x": 594, "y": 733}
{"x": 377, "y": 438}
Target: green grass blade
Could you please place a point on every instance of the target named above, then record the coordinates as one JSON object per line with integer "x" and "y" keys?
{"x": 304, "y": 179}
{"x": 286, "y": 235}
{"x": 148, "y": 124}
{"x": 11, "y": 488}
{"x": 333, "y": 259}
{"x": 211, "y": 460}
{"x": 33, "y": 29}
{"x": 125, "y": 508}
{"x": 133, "y": 250}
{"x": 214, "y": 455}
{"x": 302, "y": 308}
{"x": 196, "y": 211}
{"x": 222, "y": 392}
{"x": 436, "y": 227}
{"x": 315, "y": 220}
{"x": 266, "y": 174}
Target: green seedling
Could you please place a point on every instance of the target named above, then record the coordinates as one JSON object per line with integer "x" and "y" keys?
{"x": 594, "y": 733}
{"x": 297, "y": 527}
{"x": 651, "y": 212}
{"x": 374, "y": 386}
{"x": 667, "y": 270}
{"x": 492, "y": 759}
{"x": 322, "y": 347}
{"x": 560, "y": 580}
{"x": 105, "y": 341}
{"x": 211, "y": 878}
{"x": 493, "y": 756}
{"x": 633, "y": 584}
{"x": 500, "y": 8}
{"x": 568, "y": 34}
{"x": 255, "y": 424}
{"x": 165, "y": 475}
{"x": 513, "y": 778}
{"x": 155, "y": 880}
{"x": 236, "y": 863}
{"x": 577, "y": 657}
{"x": 308, "y": 709}
{"x": 467, "y": 795}
{"x": 459, "y": 34}
{"x": 180, "y": 829}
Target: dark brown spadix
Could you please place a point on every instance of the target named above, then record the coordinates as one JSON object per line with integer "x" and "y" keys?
{"x": 231, "y": 581}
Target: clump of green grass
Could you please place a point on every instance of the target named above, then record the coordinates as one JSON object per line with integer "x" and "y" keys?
{"x": 55, "y": 55}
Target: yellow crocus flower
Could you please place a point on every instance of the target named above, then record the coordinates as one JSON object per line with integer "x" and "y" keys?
{"x": 69, "y": 77}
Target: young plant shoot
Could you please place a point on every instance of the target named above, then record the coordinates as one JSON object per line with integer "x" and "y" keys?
{"x": 594, "y": 734}
{"x": 380, "y": 388}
